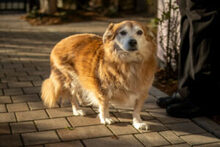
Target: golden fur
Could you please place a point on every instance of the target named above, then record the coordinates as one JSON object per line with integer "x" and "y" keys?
{"x": 88, "y": 66}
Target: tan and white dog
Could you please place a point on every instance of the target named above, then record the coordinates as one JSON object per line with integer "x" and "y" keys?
{"x": 117, "y": 68}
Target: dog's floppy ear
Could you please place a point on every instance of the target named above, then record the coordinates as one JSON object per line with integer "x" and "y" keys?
{"x": 108, "y": 35}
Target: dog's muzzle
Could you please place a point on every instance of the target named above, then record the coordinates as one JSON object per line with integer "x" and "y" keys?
{"x": 132, "y": 45}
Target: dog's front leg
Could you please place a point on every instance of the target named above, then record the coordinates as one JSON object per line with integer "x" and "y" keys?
{"x": 104, "y": 112}
{"x": 137, "y": 121}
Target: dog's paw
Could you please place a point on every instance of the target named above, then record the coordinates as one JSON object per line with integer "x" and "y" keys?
{"x": 107, "y": 121}
{"x": 79, "y": 112}
{"x": 140, "y": 125}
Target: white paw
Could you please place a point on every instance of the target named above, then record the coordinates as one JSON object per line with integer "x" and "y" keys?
{"x": 78, "y": 112}
{"x": 106, "y": 121}
{"x": 140, "y": 126}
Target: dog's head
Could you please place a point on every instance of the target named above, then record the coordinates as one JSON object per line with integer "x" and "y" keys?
{"x": 128, "y": 38}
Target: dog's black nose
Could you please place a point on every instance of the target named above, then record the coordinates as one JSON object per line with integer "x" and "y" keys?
{"x": 132, "y": 42}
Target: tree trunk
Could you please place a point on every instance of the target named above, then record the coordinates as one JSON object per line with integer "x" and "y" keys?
{"x": 48, "y": 6}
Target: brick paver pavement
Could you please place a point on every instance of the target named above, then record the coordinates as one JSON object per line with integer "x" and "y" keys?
{"x": 25, "y": 121}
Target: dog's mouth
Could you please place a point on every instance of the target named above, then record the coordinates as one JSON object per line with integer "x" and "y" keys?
{"x": 119, "y": 49}
{"x": 132, "y": 49}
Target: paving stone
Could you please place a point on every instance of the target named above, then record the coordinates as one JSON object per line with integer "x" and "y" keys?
{"x": 13, "y": 91}
{"x": 171, "y": 137}
{"x": 40, "y": 137}
{"x": 2, "y": 108}
{"x": 111, "y": 109}
{"x": 208, "y": 125}
{"x": 60, "y": 112}
{"x": 216, "y": 133}
{"x": 34, "y": 146}
{"x": 42, "y": 72}
{"x": 209, "y": 145}
{"x": 84, "y": 120}
{"x": 13, "y": 74}
{"x": 199, "y": 139}
{"x": 32, "y": 90}
{"x": 185, "y": 128}
{"x": 65, "y": 144}
{"x": 49, "y": 124}
{"x": 37, "y": 82}
{"x": 156, "y": 92}
{"x": 31, "y": 115}
{"x": 124, "y": 116}
{"x": 152, "y": 139}
{"x": 4, "y": 129}
{"x": 10, "y": 141}
{"x": 8, "y": 70}
{"x": 162, "y": 116}
{"x": 29, "y": 78}
{"x": 120, "y": 141}
{"x": 17, "y": 107}
{"x": 30, "y": 68}
{"x": 5, "y": 99}
{"x": 3, "y": 85}
{"x": 25, "y": 98}
{"x": 178, "y": 145}
{"x": 148, "y": 106}
{"x": 8, "y": 79}
{"x": 121, "y": 108}
{"x": 84, "y": 132}
{"x": 7, "y": 117}
{"x": 146, "y": 116}
{"x": 66, "y": 111}
{"x": 38, "y": 105}
{"x": 19, "y": 84}
{"x": 122, "y": 128}
{"x": 151, "y": 99}
{"x": 1, "y": 93}
{"x": 10, "y": 65}
{"x": 154, "y": 126}
{"x": 2, "y": 74}
{"x": 23, "y": 127}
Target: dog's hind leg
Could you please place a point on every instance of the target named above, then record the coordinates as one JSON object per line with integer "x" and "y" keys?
{"x": 75, "y": 106}
{"x": 104, "y": 112}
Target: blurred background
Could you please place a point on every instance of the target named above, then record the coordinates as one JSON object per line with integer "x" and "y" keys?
{"x": 64, "y": 8}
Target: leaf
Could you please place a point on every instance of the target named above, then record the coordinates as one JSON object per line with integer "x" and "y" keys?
{"x": 115, "y": 137}
{"x": 70, "y": 128}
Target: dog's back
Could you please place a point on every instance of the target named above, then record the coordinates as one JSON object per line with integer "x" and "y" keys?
{"x": 72, "y": 59}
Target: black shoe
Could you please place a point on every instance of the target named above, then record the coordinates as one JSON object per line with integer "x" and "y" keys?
{"x": 184, "y": 109}
{"x": 163, "y": 102}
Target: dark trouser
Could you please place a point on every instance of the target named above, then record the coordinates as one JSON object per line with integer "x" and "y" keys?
{"x": 199, "y": 60}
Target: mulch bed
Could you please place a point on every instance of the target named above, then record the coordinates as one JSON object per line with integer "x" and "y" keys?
{"x": 164, "y": 83}
{"x": 62, "y": 17}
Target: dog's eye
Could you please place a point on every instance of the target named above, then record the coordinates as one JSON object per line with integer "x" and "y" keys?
{"x": 123, "y": 33}
{"x": 139, "y": 32}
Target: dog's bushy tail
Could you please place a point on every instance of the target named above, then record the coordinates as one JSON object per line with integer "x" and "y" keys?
{"x": 48, "y": 93}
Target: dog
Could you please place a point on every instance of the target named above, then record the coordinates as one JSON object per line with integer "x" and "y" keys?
{"x": 117, "y": 68}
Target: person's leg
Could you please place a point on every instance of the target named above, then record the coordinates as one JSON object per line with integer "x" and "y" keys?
{"x": 196, "y": 71}
{"x": 198, "y": 80}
